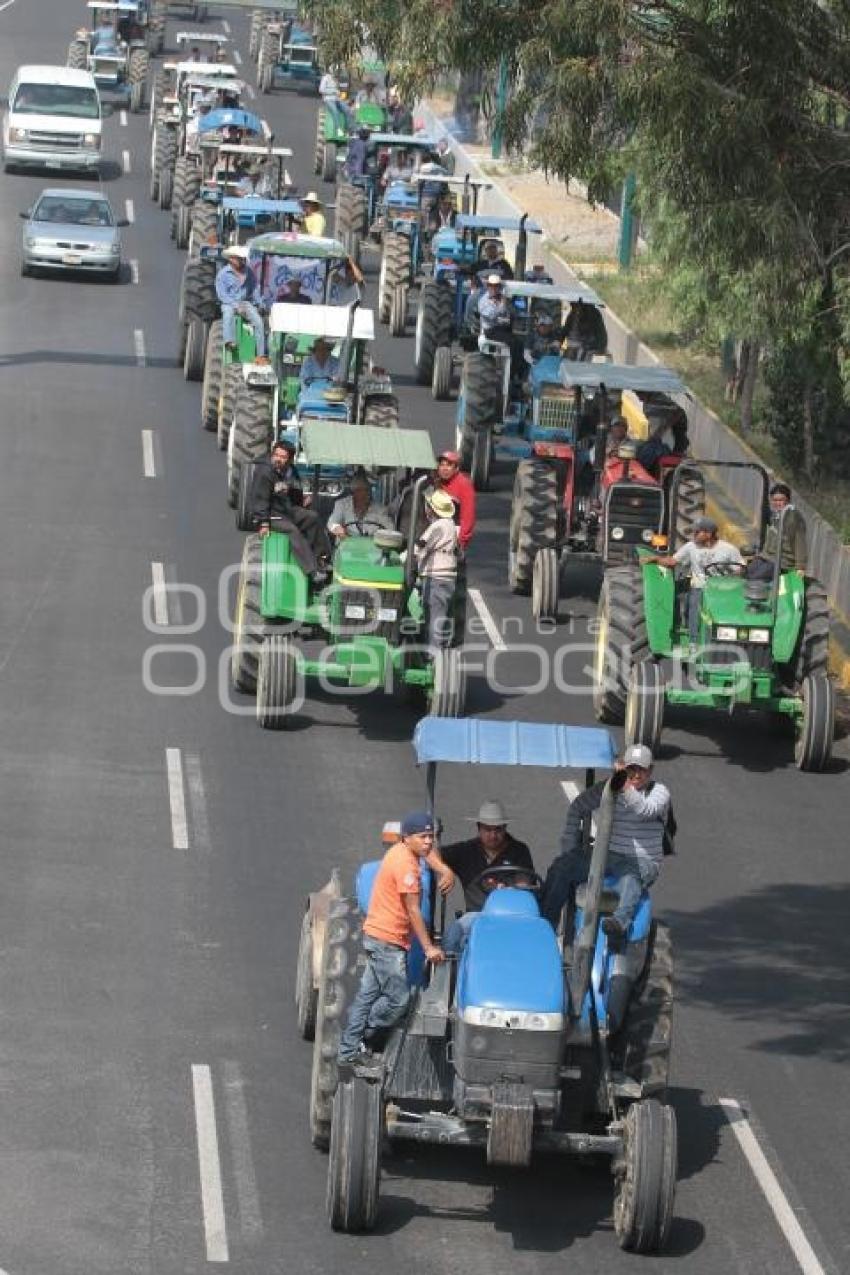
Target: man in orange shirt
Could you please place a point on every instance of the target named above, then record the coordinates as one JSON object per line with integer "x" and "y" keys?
{"x": 394, "y": 918}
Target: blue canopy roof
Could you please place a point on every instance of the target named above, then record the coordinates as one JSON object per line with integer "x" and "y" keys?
{"x": 483, "y": 221}
{"x": 257, "y": 204}
{"x": 486, "y": 742}
{"x": 229, "y": 117}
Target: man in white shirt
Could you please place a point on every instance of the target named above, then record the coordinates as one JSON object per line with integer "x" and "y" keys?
{"x": 436, "y": 563}
{"x": 320, "y": 365}
{"x": 704, "y": 554}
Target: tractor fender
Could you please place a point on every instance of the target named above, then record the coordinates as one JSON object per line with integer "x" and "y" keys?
{"x": 318, "y": 907}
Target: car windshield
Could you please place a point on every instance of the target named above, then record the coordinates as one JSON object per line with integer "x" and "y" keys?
{"x": 57, "y": 99}
{"x": 73, "y": 211}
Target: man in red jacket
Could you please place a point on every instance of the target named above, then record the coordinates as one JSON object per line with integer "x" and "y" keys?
{"x": 459, "y": 487}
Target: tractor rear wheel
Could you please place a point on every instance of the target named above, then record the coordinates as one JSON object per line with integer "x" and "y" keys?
{"x": 247, "y": 622}
{"x": 812, "y": 656}
{"x": 203, "y": 226}
{"x": 244, "y": 503}
{"x": 433, "y": 331}
{"x": 534, "y": 520}
{"x": 196, "y": 346}
{"x": 645, "y": 705}
{"x": 382, "y": 411}
{"x": 212, "y": 376}
{"x": 441, "y": 380}
{"x": 306, "y": 995}
{"x": 690, "y": 505}
{"x": 197, "y": 290}
{"x": 187, "y": 187}
{"x": 645, "y": 1039}
{"x": 398, "y": 310}
{"x": 354, "y": 1162}
{"x": 816, "y": 727}
{"x": 338, "y": 983}
{"x": 250, "y": 433}
{"x": 277, "y": 682}
{"x": 166, "y": 185}
{"x": 138, "y": 71}
{"x": 78, "y": 55}
{"x": 328, "y": 168}
{"x": 448, "y": 696}
{"x": 230, "y": 382}
{"x": 182, "y": 226}
{"x": 621, "y": 640}
{"x": 395, "y": 270}
{"x": 164, "y": 151}
{"x": 350, "y": 221}
{"x": 481, "y": 392}
{"x": 544, "y": 584}
{"x": 646, "y": 1177}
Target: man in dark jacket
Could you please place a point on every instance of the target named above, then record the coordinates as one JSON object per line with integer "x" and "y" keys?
{"x": 492, "y": 847}
{"x": 277, "y": 503}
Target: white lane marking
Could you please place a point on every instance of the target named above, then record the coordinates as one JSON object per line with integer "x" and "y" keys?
{"x": 139, "y": 346}
{"x": 476, "y": 598}
{"x": 249, "y": 89}
{"x": 237, "y": 57}
{"x": 209, "y": 1165}
{"x": 149, "y": 463}
{"x": 160, "y": 595}
{"x": 134, "y": 271}
{"x": 236, "y": 1110}
{"x": 571, "y": 789}
{"x": 177, "y": 799}
{"x": 197, "y": 801}
{"x": 125, "y": 161}
{"x": 123, "y": 119}
{"x": 131, "y": 211}
{"x": 773, "y": 1193}
{"x": 225, "y": 26}
{"x": 6, "y": 5}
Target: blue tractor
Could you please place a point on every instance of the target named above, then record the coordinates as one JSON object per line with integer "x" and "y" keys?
{"x": 511, "y": 395}
{"x": 210, "y": 168}
{"x": 531, "y": 1041}
{"x": 224, "y": 212}
{"x": 287, "y": 55}
{"x": 360, "y": 202}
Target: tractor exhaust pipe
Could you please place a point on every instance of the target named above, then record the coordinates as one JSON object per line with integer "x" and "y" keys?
{"x": 586, "y": 941}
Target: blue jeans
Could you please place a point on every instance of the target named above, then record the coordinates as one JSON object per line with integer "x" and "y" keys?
{"x": 457, "y": 933}
{"x": 571, "y": 868}
{"x": 381, "y": 998}
{"x": 437, "y": 594}
{"x": 694, "y": 604}
{"x": 250, "y": 312}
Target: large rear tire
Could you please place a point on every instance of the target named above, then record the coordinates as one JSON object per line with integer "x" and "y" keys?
{"x": 394, "y": 271}
{"x": 306, "y": 994}
{"x": 645, "y": 705}
{"x": 545, "y": 574}
{"x": 398, "y": 311}
{"x": 250, "y": 433}
{"x": 690, "y": 505}
{"x": 646, "y": 1177}
{"x": 338, "y": 984}
{"x": 350, "y": 218}
{"x": 812, "y": 655}
{"x": 354, "y": 1162}
{"x": 230, "y": 382}
{"x": 645, "y": 1039}
{"x": 534, "y": 520}
{"x": 816, "y": 727}
{"x": 441, "y": 380}
{"x": 138, "y": 71}
{"x": 621, "y": 640}
{"x": 433, "y": 330}
{"x": 212, "y": 377}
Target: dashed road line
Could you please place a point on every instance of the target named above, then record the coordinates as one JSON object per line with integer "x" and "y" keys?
{"x": 131, "y": 210}
{"x": 134, "y": 271}
{"x": 209, "y": 1165}
{"x": 777, "y": 1199}
{"x": 237, "y": 57}
{"x": 177, "y": 799}
{"x": 249, "y": 89}
{"x": 477, "y": 599}
{"x": 160, "y": 595}
{"x": 148, "y": 458}
{"x": 236, "y": 1112}
{"x": 225, "y": 26}
{"x": 125, "y": 161}
{"x": 197, "y": 802}
{"x": 139, "y": 347}
{"x": 123, "y": 118}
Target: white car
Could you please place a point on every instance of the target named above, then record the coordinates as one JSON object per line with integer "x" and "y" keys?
{"x": 53, "y": 120}
{"x": 72, "y": 229}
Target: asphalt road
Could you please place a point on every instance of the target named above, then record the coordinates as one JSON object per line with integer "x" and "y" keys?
{"x": 149, "y": 932}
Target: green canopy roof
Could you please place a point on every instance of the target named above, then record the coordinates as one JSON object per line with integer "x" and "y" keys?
{"x": 372, "y": 446}
{"x": 288, "y": 244}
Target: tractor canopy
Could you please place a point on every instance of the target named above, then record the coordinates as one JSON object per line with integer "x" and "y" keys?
{"x": 486, "y": 223}
{"x": 328, "y": 321}
{"x": 480, "y": 741}
{"x": 620, "y": 376}
{"x": 369, "y": 446}
{"x": 230, "y": 117}
{"x": 565, "y": 294}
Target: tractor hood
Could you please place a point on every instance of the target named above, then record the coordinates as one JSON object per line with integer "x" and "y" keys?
{"x": 312, "y": 401}
{"x": 734, "y": 618}
{"x": 358, "y": 561}
{"x": 511, "y": 974}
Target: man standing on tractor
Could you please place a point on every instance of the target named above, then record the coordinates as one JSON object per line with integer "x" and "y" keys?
{"x": 436, "y": 562}
{"x": 794, "y": 547}
{"x": 641, "y": 822}
{"x": 451, "y": 479}
{"x": 393, "y": 919}
{"x": 491, "y": 847}
{"x": 277, "y": 504}
{"x": 705, "y": 551}
{"x": 236, "y": 288}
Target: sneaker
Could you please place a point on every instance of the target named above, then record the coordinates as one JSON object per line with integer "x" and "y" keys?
{"x": 614, "y": 929}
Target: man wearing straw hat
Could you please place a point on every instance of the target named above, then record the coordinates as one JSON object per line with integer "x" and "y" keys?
{"x": 436, "y": 561}
{"x": 313, "y": 219}
{"x": 492, "y": 847}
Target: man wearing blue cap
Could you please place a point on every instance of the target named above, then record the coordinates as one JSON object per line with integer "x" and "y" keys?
{"x": 393, "y": 920}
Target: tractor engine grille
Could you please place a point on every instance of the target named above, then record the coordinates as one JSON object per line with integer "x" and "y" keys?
{"x": 633, "y": 513}
{"x": 557, "y": 410}
{"x": 757, "y": 654}
{"x": 370, "y": 611}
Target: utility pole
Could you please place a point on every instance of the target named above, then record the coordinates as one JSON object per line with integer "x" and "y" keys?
{"x": 501, "y": 103}
{"x": 628, "y": 224}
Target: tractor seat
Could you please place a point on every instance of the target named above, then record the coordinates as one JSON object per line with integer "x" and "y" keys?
{"x": 388, "y": 541}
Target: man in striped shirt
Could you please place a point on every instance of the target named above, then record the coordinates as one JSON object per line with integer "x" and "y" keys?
{"x": 641, "y": 812}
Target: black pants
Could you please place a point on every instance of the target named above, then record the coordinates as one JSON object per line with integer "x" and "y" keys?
{"x": 307, "y": 535}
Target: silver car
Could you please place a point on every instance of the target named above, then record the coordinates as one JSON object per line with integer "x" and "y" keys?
{"x": 73, "y": 229}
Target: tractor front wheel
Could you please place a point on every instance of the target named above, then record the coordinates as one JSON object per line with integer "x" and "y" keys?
{"x": 544, "y": 584}
{"x": 354, "y": 1163}
{"x": 645, "y": 705}
{"x": 277, "y": 683}
{"x": 448, "y": 697}
{"x": 646, "y": 1177}
{"x": 816, "y": 726}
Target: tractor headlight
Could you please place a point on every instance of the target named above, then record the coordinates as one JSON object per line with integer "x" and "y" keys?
{"x": 617, "y": 533}
{"x": 387, "y": 614}
{"x": 354, "y": 611}
{"x": 647, "y": 536}
{"x": 760, "y": 635}
{"x": 726, "y": 634}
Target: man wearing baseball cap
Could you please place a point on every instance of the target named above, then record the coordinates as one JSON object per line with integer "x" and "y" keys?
{"x": 460, "y": 487}
{"x": 642, "y": 816}
{"x": 704, "y": 550}
{"x": 394, "y": 918}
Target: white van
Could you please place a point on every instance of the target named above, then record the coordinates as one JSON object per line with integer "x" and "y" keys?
{"x": 53, "y": 120}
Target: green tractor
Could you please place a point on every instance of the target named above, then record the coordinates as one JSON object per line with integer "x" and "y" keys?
{"x": 270, "y": 396}
{"x": 369, "y": 615}
{"x": 332, "y": 132}
{"x": 763, "y": 639}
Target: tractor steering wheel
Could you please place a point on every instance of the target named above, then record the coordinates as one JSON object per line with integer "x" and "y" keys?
{"x": 719, "y": 570}
{"x": 507, "y": 874}
{"x": 360, "y": 523}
